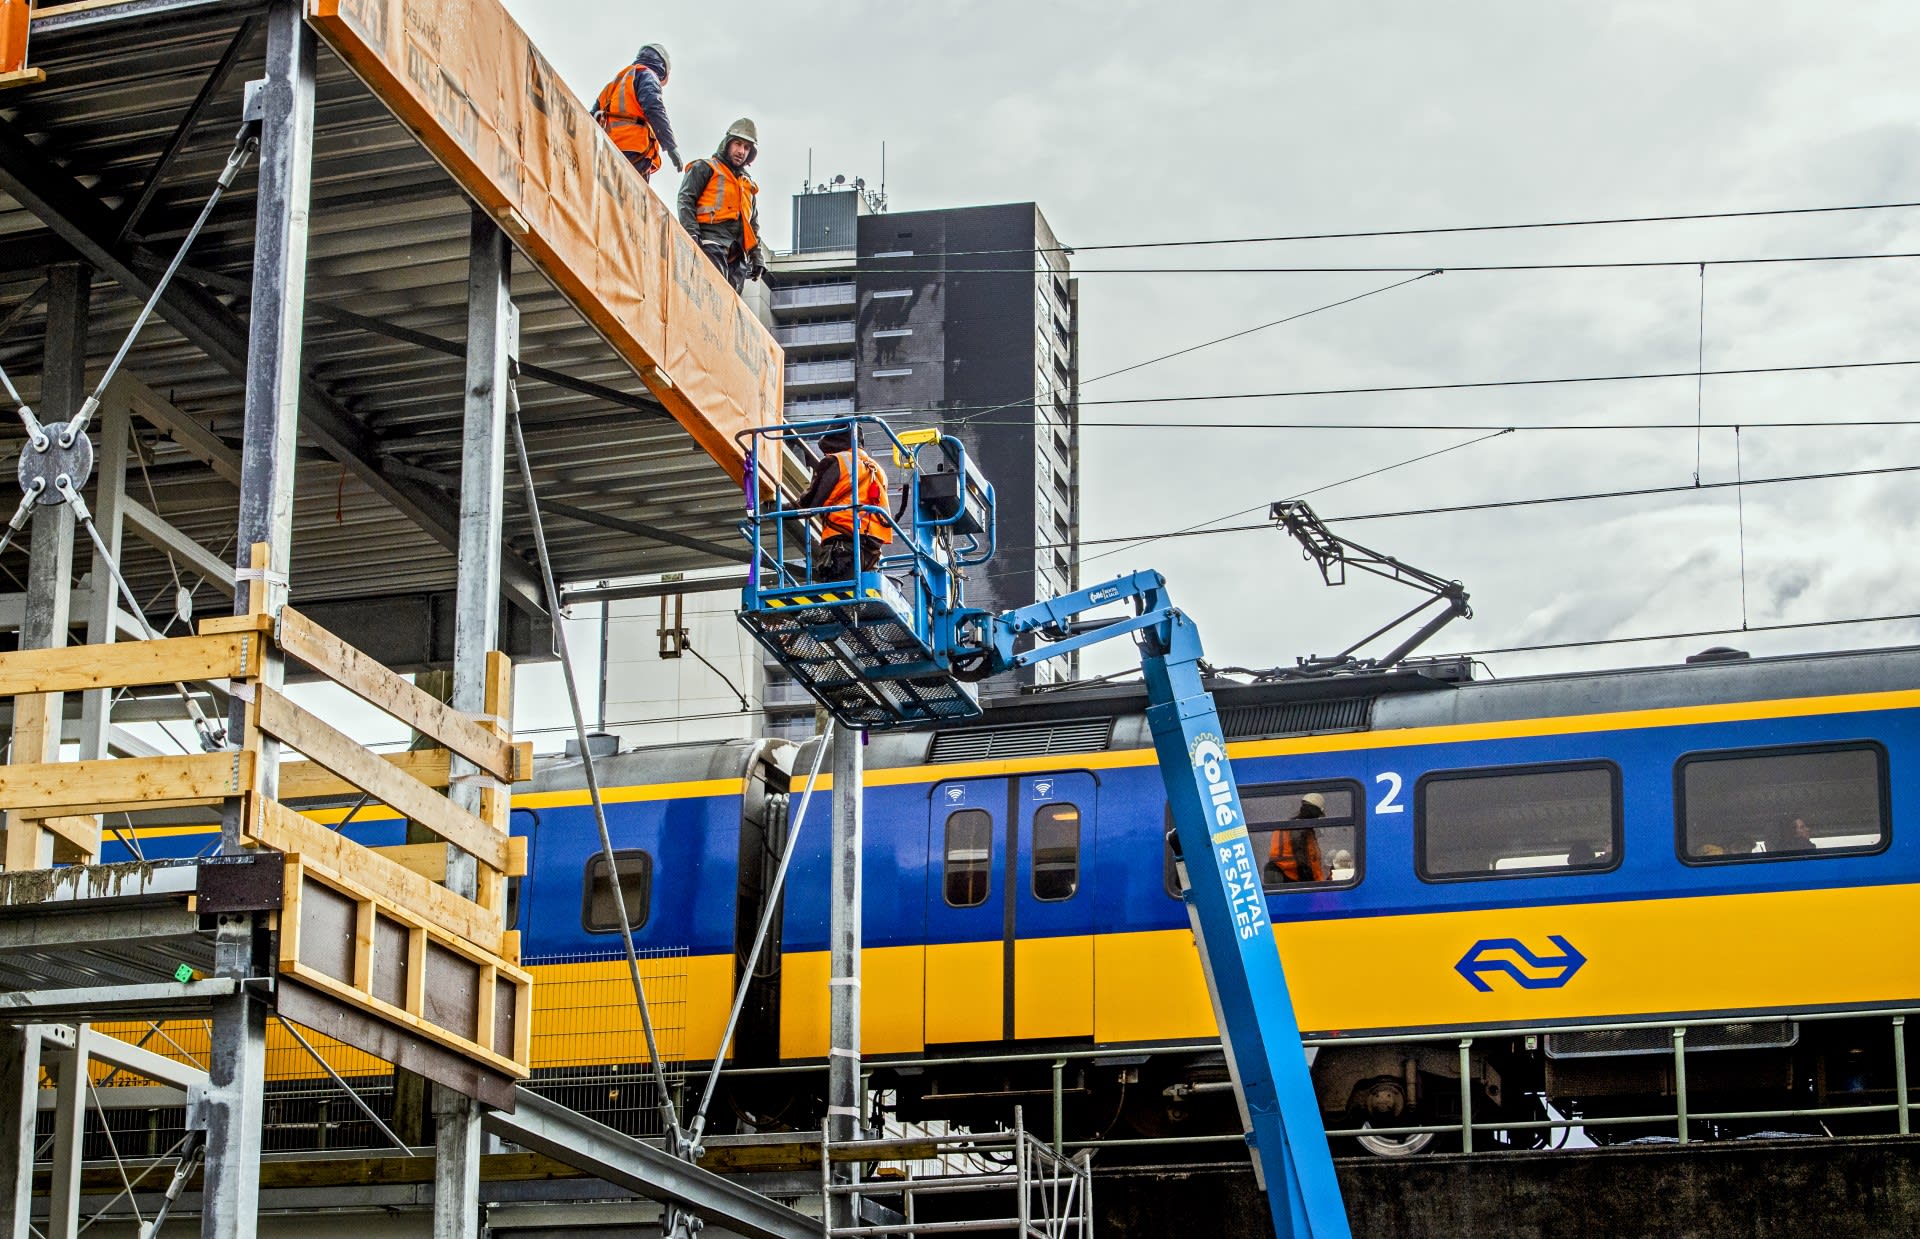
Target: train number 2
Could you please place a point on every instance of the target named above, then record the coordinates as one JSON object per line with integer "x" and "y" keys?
{"x": 1389, "y": 803}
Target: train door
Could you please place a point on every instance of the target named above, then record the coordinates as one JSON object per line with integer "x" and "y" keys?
{"x": 967, "y": 916}
{"x": 1053, "y": 907}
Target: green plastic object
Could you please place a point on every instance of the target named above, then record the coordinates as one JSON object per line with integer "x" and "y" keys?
{"x": 183, "y": 973}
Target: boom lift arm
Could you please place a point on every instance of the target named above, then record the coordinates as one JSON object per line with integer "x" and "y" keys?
{"x": 1220, "y": 880}
{"x": 896, "y": 647}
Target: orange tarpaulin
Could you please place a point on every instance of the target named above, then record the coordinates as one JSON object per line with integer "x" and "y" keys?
{"x": 467, "y": 80}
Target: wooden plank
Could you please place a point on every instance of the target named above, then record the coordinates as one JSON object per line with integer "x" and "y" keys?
{"x": 22, "y": 77}
{"x": 110, "y": 786}
{"x": 274, "y": 825}
{"x": 130, "y": 664}
{"x": 374, "y": 683}
{"x": 429, "y": 860}
{"x": 367, "y": 771}
{"x": 406, "y": 1019}
{"x": 302, "y": 780}
{"x": 235, "y": 623}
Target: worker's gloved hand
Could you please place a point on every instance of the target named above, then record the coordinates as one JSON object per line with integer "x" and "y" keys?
{"x": 756, "y": 270}
{"x": 675, "y": 157}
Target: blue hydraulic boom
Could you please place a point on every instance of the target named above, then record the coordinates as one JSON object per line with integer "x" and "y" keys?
{"x": 898, "y": 647}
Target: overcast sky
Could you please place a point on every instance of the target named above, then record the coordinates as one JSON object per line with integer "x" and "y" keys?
{"x": 1128, "y": 121}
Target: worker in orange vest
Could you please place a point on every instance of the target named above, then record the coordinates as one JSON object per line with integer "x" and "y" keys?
{"x": 718, "y": 210}
{"x": 634, "y": 114}
{"x": 1295, "y": 854}
{"x": 832, "y": 486}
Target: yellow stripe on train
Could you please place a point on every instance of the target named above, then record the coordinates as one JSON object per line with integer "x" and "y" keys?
{"x": 1771, "y": 951}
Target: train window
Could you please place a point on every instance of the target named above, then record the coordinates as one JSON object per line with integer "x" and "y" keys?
{"x": 598, "y": 912}
{"x": 969, "y": 863}
{"x": 1518, "y": 821}
{"x": 1056, "y": 852}
{"x": 1306, "y": 834}
{"x": 1781, "y": 803}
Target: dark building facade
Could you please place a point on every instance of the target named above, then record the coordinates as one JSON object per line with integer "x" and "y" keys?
{"x": 967, "y": 318}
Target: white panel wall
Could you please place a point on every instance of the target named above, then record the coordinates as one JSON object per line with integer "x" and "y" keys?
{"x": 654, "y": 700}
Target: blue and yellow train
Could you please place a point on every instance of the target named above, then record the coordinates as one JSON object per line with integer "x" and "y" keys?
{"x": 1722, "y": 840}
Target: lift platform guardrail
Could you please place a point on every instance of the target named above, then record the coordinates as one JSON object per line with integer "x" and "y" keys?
{"x": 871, "y": 646}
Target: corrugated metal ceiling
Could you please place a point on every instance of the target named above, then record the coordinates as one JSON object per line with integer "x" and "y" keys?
{"x": 389, "y": 243}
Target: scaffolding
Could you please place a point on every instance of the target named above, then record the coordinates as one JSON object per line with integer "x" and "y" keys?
{"x": 438, "y": 240}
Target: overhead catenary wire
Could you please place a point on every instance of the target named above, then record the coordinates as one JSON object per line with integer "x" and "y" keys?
{"x": 1435, "y": 268}
{"x": 1445, "y": 230}
{"x": 1545, "y": 647}
{"x": 977, "y": 412}
{"x": 1494, "y": 505}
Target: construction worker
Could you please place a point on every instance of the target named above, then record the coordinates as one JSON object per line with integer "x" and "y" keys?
{"x": 832, "y": 487}
{"x": 1295, "y": 854}
{"x": 718, "y": 210}
{"x": 634, "y": 114}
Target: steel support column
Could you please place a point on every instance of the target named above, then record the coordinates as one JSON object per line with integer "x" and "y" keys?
{"x": 237, "y": 1061}
{"x": 19, "y": 1103}
{"x": 843, "y": 938}
{"x": 68, "y": 1064}
{"x": 493, "y": 337}
{"x": 50, "y": 569}
{"x": 114, "y": 425}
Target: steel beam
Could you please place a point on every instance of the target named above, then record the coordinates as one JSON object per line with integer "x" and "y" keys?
{"x": 82, "y": 17}
{"x": 110, "y": 468}
{"x": 130, "y": 216}
{"x": 19, "y": 1105}
{"x": 547, "y": 1127}
{"x": 493, "y": 338}
{"x": 160, "y": 533}
{"x": 843, "y": 943}
{"x": 80, "y": 220}
{"x": 118, "y": 1002}
{"x": 275, "y": 384}
{"x": 50, "y": 563}
{"x": 65, "y": 1058}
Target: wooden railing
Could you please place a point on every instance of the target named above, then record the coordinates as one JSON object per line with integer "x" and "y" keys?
{"x": 375, "y": 928}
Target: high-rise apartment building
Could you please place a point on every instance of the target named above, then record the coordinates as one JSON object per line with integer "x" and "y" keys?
{"x": 966, "y": 318}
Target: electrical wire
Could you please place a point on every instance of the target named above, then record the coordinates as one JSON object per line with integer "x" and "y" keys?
{"x": 1392, "y": 389}
{"x": 1551, "y": 646}
{"x": 1446, "y": 230}
{"x": 1494, "y": 505}
{"x": 1615, "y": 264}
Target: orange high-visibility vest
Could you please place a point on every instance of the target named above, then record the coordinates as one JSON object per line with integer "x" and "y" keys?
{"x": 729, "y": 195}
{"x": 621, "y": 116}
{"x": 1304, "y": 866}
{"x": 873, "y": 493}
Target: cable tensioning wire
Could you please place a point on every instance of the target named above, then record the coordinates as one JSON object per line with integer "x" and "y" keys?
{"x": 668, "y": 1112}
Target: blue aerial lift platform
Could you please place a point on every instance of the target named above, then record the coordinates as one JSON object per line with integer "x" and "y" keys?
{"x": 898, "y": 647}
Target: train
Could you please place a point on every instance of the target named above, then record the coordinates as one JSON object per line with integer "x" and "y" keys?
{"x": 1496, "y": 896}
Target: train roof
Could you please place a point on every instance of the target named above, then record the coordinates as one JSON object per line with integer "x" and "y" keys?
{"x": 1096, "y": 719}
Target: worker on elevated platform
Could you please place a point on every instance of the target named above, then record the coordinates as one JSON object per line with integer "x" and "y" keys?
{"x": 633, "y": 112}
{"x": 841, "y": 466}
{"x": 718, "y": 210}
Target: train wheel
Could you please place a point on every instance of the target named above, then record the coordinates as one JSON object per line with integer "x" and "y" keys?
{"x": 1395, "y": 1146}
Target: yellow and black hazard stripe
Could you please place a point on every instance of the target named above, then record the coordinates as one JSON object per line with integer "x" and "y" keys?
{"x": 824, "y": 596}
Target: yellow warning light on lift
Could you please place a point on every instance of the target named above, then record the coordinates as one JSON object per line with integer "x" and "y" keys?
{"x": 913, "y": 438}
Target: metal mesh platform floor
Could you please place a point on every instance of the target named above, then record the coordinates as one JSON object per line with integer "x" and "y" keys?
{"x": 861, "y": 660}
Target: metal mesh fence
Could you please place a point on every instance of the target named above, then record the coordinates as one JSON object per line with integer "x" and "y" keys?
{"x": 589, "y": 1053}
